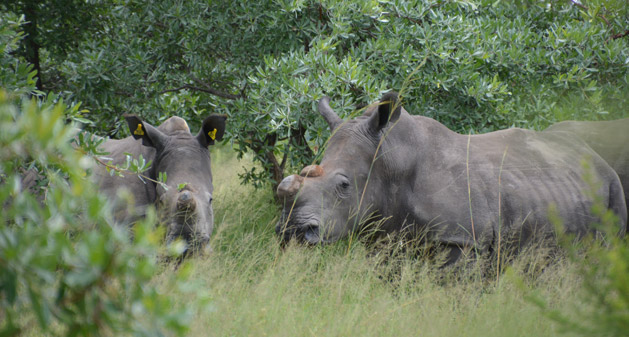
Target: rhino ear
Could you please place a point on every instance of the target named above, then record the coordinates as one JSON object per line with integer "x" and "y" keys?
{"x": 150, "y": 135}
{"x": 389, "y": 110}
{"x": 326, "y": 111}
{"x": 213, "y": 129}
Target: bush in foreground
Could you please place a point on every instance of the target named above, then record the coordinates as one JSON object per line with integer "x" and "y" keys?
{"x": 64, "y": 269}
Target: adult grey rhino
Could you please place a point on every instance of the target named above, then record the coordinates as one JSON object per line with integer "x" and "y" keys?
{"x": 610, "y": 139}
{"x": 185, "y": 205}
{"x": 412, "y": 173}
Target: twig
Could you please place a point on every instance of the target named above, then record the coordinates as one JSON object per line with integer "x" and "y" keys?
{"x": 620, "y": 35}
{"x": 614, "y": 36}
{"x": 121, "y": 170}
{"x": 123, "y": 93}
{"x": 207, "y": 90}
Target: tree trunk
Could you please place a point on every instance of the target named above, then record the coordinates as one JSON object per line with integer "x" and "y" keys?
{"x": 31, "y": 46}
{"x": 265, "y": 149}
{"x": 298, "y": 137}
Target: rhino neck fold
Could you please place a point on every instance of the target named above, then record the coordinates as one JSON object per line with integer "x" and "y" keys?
{"x": 412, "y": 152}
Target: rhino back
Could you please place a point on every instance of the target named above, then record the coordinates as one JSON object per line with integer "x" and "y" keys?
{"x": 472, "y": 187}
{"x": 610, "y": 139}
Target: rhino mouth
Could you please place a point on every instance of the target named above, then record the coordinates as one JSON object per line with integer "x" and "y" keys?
{"x": 308, "y": 233}
{"x": 184, "y": 225}
{"x": 195, "y": 245}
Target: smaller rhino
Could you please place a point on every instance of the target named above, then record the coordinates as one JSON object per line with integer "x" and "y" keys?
{"x": 185, "y": 205}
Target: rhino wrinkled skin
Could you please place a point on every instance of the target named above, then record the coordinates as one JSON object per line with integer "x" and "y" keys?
{"x": 185, "y": 206}
{"x": 397, "y": 171}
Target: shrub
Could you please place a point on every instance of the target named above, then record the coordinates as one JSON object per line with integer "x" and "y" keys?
{"x": 63, "y": 267}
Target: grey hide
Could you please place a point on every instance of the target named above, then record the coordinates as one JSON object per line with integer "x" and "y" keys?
{"x": 186, "y": 211}
{"x": 610, "y": 139}
{"x": 461, "y": 191}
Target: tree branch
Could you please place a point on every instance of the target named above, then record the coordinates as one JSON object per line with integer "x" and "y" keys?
{"x": 614, "y": 36}
{"x": 620, "y": 35}
{"x": 284, "y": 159}
{"x": 208, "y": 90}
{"x": 123, "y": 93}
{"x": 119, "y": 169}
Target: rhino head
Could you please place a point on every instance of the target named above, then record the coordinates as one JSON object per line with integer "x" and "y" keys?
{"x": 327, "y": 202}
{"x": 184, "y": 204}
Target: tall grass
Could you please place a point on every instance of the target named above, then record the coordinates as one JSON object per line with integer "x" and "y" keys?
{"x": 258, "y": 289}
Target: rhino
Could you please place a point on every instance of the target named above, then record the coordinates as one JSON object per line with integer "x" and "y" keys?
{"x": 610, "y": 139}
{"x": 388, "y": 171}
{"x": 184, "y": 204}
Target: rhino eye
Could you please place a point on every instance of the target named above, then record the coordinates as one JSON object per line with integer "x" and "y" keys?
{"x": 342, "y": 186}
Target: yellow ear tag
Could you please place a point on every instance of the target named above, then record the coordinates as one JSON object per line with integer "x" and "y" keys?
{"x": 212, "y": 134}
{"x": 138, "y": 131}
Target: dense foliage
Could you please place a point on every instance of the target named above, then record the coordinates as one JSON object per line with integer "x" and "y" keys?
{"x": 17, "y": 77}
{"x": 54, "y": 28}
{"x": 473, "y": 65}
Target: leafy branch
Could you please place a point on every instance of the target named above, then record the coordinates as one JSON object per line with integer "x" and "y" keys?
{"x": 88, "y": 145}
{"x": 206, "y": 89}
{"x": 585, "y": 8}
{"x": 614, "y": 35}
{"x": 120, "y": 170}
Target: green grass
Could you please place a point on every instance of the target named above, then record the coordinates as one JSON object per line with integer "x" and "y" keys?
{"x": 257, "y": 289}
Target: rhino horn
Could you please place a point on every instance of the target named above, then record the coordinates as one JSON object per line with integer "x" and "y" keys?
{"x": 312, "y": 171}
{"x": 289, "y": 186}
{"x": 326, "y": 111}
{"x": 185, "y": 201}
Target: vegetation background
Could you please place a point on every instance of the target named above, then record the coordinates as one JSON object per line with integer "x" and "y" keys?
{"x": 475, "y": 66}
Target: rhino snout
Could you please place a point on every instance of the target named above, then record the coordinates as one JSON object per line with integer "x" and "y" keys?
{"x": 307, "y": 232}
{"x": 289, "y": 186}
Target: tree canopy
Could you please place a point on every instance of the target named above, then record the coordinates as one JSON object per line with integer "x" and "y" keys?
{"x": 473, "y": 65}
